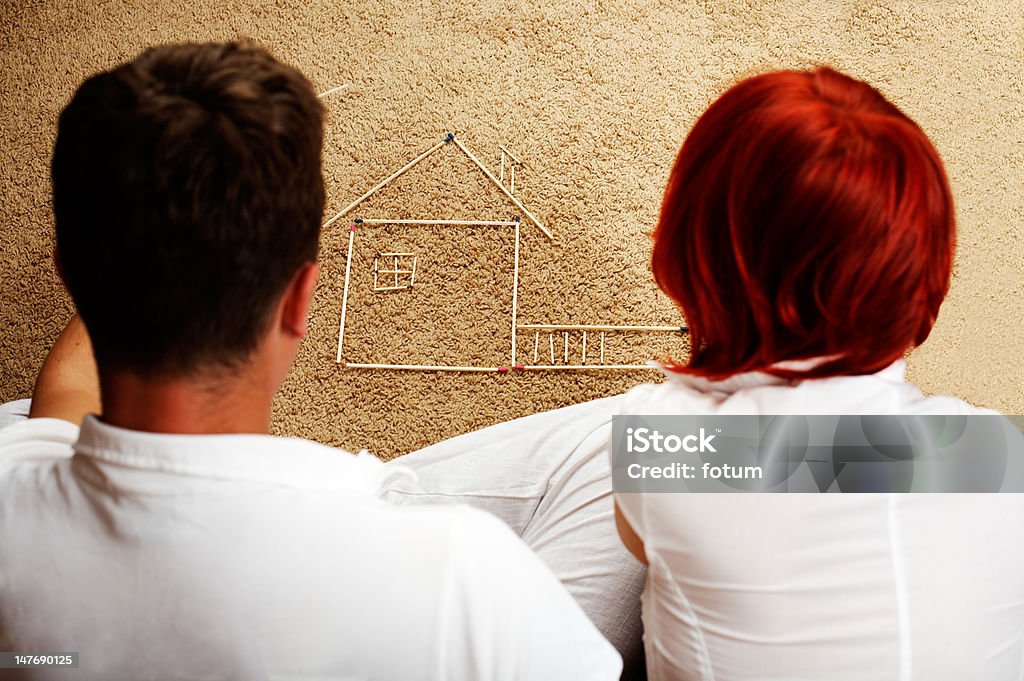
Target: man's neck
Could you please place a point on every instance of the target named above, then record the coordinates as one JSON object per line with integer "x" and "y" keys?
{"x": 192, "y": 406}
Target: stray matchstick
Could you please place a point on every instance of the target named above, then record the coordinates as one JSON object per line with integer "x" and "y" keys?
{"x": 333, "y": 90}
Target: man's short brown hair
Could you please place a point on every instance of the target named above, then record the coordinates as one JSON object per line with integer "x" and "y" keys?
{"x": 187, "y": 192}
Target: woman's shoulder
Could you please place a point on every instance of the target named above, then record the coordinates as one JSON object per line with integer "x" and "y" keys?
{"x": 885, "y": 392}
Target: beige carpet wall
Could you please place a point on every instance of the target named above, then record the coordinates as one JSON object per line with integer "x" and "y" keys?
{"x": 595, "y": 98}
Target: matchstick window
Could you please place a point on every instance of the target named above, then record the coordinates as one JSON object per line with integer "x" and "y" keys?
{"x": 394, "y": 271}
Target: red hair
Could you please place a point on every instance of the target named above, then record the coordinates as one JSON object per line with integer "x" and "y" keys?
{"x": 805, "y": 216}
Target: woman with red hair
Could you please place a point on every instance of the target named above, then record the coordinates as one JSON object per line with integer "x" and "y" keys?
{"x": 807, "y": 235}
{"x": 805, "y": 217}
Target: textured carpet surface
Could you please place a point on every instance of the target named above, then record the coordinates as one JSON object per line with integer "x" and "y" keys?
{"x": 595, "y": 98}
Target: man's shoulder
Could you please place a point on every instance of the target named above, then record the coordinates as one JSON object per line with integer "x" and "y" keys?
{"x": 36, "y": 440}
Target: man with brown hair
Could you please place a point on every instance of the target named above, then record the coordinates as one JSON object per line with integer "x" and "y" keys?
{"x": 172, "y": 537}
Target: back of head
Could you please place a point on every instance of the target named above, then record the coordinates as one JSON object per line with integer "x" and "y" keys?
{"x": 187, "y": 192}
{"x": 805, "y": 216}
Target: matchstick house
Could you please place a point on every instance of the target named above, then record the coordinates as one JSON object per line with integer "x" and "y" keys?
{"x": 429, "y": 294}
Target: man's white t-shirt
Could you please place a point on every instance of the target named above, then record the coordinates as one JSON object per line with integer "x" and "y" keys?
{"x": 806, "y": 587}
{"x": 254, "y": 557}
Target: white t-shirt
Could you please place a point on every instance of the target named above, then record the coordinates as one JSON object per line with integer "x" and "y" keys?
{"x": 254, "y": 557}
{"x": 806, "y": 587}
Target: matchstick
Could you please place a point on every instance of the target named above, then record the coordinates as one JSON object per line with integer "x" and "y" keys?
{"x": 501, "y": 171}
{"x": 536, "y": 345}
{"x": 333, "y": 90}
{"x": 583, "y": 360}
{"x": 565, "y": 360}
{"x": 551, "y": 346}
{"x": 412, "y": 277}
{"x": 421, "y": 367}
{"x": 503, "y": 188}
{"x": 380, "y": 185}
{"x": 427, "y": 367}
{"x": 587, "y": 367}
{"x": 515, "y": 295}
{"x": 593, "y": 327}
{"x": 484, "y": 223}
{"x": 510, "y": 154}
{"x": 344, "y": 296}
{"x": 602, "y": 347}
{"x": 513, "y": 183}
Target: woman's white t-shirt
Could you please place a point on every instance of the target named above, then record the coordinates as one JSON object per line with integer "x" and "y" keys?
{"x": 794, "y": 587}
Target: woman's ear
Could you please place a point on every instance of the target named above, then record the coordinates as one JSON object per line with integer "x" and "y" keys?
{"x": 297, "y": 298}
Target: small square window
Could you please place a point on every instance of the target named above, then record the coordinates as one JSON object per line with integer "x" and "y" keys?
{"x": 394, "y": 271}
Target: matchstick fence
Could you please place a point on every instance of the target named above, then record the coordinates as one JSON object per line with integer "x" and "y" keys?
{"x": 559, "y": 347}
